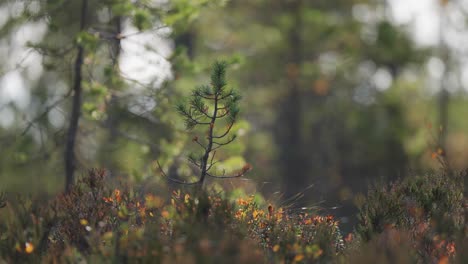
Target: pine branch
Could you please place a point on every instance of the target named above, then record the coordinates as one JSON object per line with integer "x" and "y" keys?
{"x": 224, "y": 143}
{"x": 172, "y": 179}
{"x": 227, "y": 131}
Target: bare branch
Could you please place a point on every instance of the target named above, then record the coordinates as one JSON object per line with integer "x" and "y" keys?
{"x": 198, "y": 122}
{"x": 226, "y": 177}
{"x": 175, "y": 180}
{"x": 45, "y": 112}
{"x": 224, "y": 114}
{"x": 227, "y": 131}
{"x": 211, "y": 161}
{"x": 121, "y": 36}
{"x": 227, "y": 95}
{"x": 132, "y": 138}
{"x": 200, "y": 144}
{"x": 193, "y": 161}
{"x": 224, "y": 143}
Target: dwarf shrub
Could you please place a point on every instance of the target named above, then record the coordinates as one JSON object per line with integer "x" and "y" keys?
{"x": 429, "y": 209}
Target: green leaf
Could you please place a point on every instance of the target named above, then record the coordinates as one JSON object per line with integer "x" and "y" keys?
{"x": 89, "y": 107}
{"x": 88, "y": 41}
{"x": 124, "y": 8}
{"x": 142, "y": 19}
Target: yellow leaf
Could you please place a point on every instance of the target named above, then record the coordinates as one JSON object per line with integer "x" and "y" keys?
{"x": 276, "y": 248}
{"x": 440, "y": 151}
{"x": 28, "y": 248}
{"x": 298, "y": 257}
{"x": 18, "y": 247}
{"x": 255, "y": 214}
{"x": 107, "y": 235}
{"x": 165, "y": 214}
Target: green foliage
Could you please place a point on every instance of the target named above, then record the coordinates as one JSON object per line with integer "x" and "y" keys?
{"x": 88, "y": 41}
{"x": 183, "y": 12}
{"x": 122, "y": 7}
{"x": 217, "y": 95}
{"x": 216, "y": 107}
{"x": 142, "y": 19}
{"x": 95, "y": 100}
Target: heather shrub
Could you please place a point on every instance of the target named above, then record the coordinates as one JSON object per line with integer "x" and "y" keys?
{"x": 98, "y": 222}
{"x": 426, "y": 211}
{"x": 416, "y": 220}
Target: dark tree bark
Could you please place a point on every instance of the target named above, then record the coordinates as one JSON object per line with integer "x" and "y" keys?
{"x": 288, "y": 136}
{"x": 70, "y": 160}
{"x": 443, "y": 116}
{"x": 116, "y": 43}
{"x": 187, "y": 39}
{"x": 444, "y": 96}
{"x": 113, "y": 109}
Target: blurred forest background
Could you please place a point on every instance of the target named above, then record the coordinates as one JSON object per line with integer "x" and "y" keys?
{"x": 337, "y": 94}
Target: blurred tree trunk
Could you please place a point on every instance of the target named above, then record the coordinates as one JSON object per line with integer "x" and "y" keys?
{"x": 187, "y": 39}
{"x": 70, "y": 159}
{"x": 444, "y": 96}
{"x": 112, "y": 122}
{"x": 289, "y": 121}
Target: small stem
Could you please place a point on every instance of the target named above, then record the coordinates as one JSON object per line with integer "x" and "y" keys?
{"x": 208, "y": 149}
{"x": 227, "y": 131}
{"x": 175, "y": 180}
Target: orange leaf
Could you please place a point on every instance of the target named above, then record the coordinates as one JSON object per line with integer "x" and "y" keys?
{"x": 165, "y": 214}
{"x": 440, "y": 151}
{"x": 298, "y": 258}
{"x": 444, "y": 260}
{"x": 276, "y": 248}
{"x": 28, "y": 247}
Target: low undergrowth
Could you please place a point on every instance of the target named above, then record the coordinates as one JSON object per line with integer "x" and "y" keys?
{"x": 416, "y": 220}
{"x": 100, "y": 224}
{"x": 420, "y": 219}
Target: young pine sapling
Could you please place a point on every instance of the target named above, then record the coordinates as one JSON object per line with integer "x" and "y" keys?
{"x": 216, "y": 108}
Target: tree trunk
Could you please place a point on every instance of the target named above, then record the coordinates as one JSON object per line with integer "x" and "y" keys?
{"x": 113, "y": 109}
{"x": 444, "y": 96}
{"x": 187, "y": 39}
{"x": 70, "y": 160}
{"x": 289, "y": 138}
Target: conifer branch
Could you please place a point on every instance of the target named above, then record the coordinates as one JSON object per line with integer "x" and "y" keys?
{"x": 224, "y": 143}
{"x": 227, "y": 131}
{"x": 172, "y": 179}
